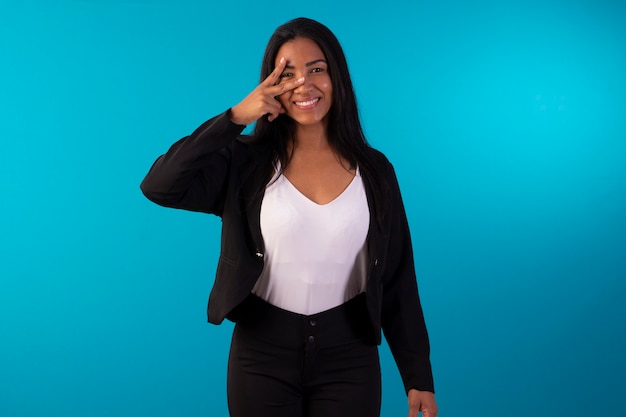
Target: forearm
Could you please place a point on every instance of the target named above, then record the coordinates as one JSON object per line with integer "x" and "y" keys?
{"x": 191, "y": 173}
{"x": 407, "y": 336}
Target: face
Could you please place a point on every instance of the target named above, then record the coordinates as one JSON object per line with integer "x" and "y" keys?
{"x": 309, "y": 103}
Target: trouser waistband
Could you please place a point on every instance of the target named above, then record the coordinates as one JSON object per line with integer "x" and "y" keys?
{"x": 342, "y": 324}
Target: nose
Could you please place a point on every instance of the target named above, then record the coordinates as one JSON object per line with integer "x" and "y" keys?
{"x": 305, "y": 87}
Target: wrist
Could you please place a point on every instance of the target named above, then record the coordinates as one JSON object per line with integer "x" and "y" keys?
{"x": 234, "y": 118}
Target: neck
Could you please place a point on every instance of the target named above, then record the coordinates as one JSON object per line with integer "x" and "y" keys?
{"x": 311, "y": 138}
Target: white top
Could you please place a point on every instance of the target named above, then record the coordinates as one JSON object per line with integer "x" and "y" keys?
{"x": 315, "y": 254}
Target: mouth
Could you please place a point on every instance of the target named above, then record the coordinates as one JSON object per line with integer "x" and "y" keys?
{"x": 307, "y": 104}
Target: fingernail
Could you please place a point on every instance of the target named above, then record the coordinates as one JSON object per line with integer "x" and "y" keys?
{"x": 300, "y": 79}
{"x": 282, "y": 59}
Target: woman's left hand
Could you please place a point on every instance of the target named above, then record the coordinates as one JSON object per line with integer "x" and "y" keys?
{"x": 423, "y": 401}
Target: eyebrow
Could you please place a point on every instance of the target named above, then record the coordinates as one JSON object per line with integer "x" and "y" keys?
{"x": 308, "y": 64}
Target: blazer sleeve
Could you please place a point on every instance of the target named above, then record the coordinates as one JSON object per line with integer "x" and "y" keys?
{"x": 192, "y": 174}
{"x": 402, "y": 318}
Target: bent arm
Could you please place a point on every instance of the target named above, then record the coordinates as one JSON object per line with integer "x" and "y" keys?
{"x": 192, "y": 173}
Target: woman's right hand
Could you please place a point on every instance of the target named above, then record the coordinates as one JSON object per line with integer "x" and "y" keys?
{"x": 262, "y": 100}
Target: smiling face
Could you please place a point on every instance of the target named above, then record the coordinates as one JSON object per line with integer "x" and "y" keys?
{"x": 309, "y": 103}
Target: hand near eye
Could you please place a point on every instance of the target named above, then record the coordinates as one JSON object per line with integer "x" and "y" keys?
{"x": 262, "y": 100}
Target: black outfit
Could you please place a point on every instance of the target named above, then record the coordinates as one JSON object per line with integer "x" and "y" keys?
{"x": 283, "y": 364}
{"x": 215, "y": 170}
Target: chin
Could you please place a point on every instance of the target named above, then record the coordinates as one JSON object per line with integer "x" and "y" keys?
{"x": 308, "y": 120}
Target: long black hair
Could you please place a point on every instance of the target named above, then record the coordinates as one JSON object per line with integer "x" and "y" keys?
{"x": 344, "y": 131}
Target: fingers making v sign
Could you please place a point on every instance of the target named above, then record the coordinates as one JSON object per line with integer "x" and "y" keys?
{"x": 262, "y": 100}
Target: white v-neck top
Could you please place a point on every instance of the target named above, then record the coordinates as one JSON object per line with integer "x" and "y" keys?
{"x": 315, "y": 254}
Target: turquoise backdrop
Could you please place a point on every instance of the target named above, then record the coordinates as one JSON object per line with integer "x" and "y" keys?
{"x": 505, "y": 120}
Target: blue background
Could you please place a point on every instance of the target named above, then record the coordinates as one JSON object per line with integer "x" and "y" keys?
{"x": 506, "y": 122}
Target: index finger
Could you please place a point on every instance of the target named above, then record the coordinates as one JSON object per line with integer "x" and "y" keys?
{"x": 275, "y": 75}
{"x": 281, "y": 87}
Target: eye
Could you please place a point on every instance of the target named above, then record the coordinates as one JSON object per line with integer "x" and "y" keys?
{"x": 286, "y": 74}
{"x": 317, "y": 69}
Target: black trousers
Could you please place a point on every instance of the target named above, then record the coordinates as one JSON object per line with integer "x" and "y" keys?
{"x": 284, "y": 364}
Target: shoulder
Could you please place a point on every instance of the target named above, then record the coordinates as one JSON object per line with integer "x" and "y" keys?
{"x": 377, "y": 157}
{"x": 380, "y": 164}
{"x": 247, "y": 148}
{"x": 252, "y": 143}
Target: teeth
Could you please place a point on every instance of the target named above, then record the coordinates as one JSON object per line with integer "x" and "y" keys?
{"x": 306, "y": 103}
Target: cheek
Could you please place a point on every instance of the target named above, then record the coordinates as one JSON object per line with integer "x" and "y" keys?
{"x": 327, "y": 87}
{"x": 283, "y": 99}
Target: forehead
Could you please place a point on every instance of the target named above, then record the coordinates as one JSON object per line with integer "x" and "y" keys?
{"x": 300, "y": 49}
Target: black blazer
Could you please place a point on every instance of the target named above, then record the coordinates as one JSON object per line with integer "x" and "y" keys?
{"x": 218, "y": 171}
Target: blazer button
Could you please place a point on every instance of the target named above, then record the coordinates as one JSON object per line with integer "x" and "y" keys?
{"x": 259, "y": 254}
{"x": 376, "y": 262}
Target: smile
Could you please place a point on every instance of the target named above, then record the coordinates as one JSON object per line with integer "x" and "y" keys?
{"x": 308, "y": 103}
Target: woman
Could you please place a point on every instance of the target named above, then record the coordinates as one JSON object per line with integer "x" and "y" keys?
{"x": 316, "y": 256}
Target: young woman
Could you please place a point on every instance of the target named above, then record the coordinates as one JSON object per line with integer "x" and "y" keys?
{"x": 316, "y": 255}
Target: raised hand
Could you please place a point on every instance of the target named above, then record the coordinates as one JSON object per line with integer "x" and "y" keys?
{"x": 262, "y": 100}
